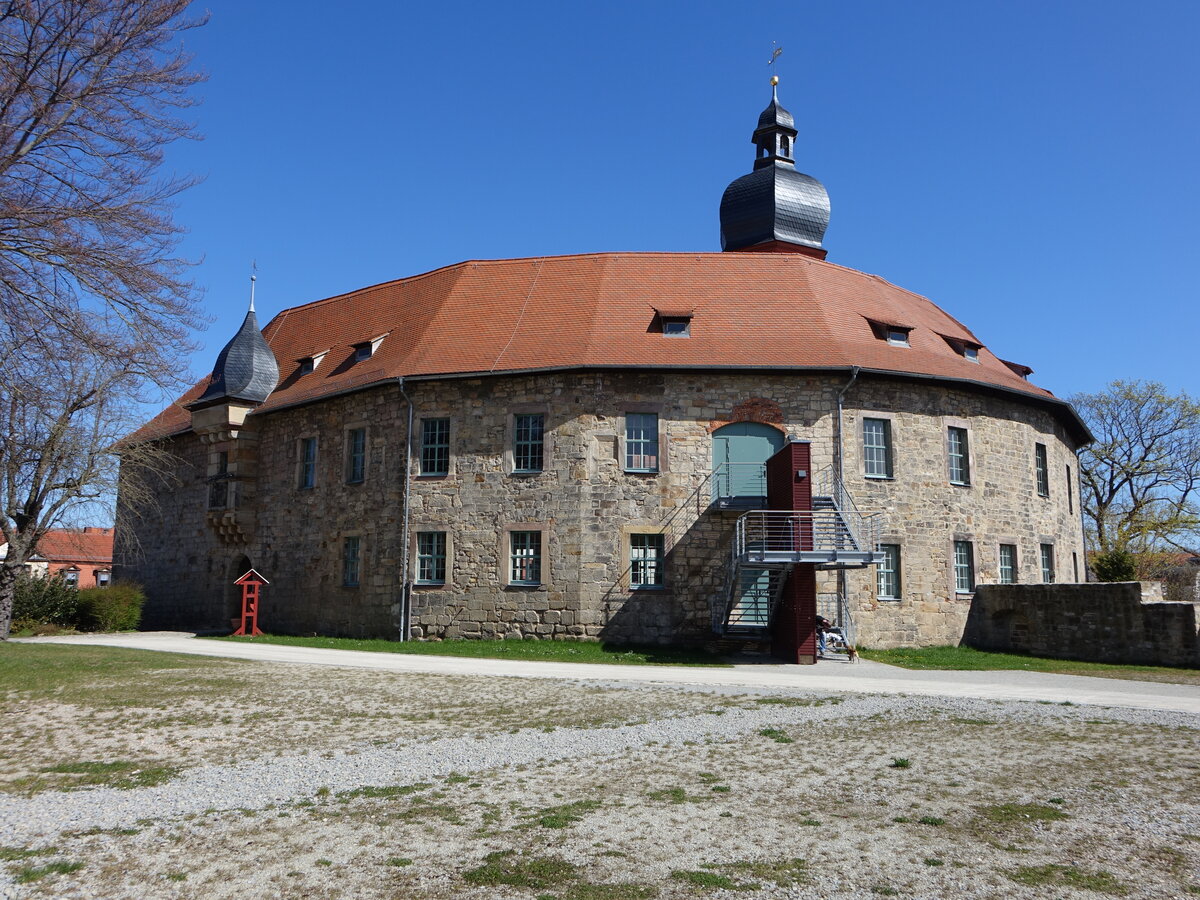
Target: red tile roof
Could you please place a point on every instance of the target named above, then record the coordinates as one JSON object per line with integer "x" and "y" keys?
{"x": 750, "y": 310}
{"x": 65, "y": 545}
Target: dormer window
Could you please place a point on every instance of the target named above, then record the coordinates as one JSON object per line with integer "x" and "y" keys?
{"x": 674, "y": 322}
{"x": 366, "y": 349}
{"x": 1017, "y": 368}
{"x": 896, "y": 335}
{"x": 968, "y": 350}
{"x": 309, "y": 363}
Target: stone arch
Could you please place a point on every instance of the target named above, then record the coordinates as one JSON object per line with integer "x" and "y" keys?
{"x": 740, "y": 451}
{"x": 753, "y": 409}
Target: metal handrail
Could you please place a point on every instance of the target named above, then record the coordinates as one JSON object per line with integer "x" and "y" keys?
{"x": 748, "y": 474}
{"x": 762, "y": 532}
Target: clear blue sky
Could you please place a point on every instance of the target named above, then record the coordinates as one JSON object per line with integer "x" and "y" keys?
{"x": 1030, "y": 167}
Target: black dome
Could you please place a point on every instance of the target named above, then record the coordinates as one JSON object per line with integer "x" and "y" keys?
{"x": 246, "y": 369}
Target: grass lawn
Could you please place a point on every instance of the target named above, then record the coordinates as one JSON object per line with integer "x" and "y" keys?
{"x": 966, "y": 658}
{"x": 542, "y": 651}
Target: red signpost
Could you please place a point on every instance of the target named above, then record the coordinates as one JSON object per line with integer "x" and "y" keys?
{"x": 252, "y": 584}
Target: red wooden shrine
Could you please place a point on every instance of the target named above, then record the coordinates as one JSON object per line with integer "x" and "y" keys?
{"x": 252, "y": 584}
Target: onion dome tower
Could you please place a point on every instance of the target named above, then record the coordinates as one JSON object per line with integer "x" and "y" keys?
{"x": 246, "y": 368}
{"x": 775, "y": 208}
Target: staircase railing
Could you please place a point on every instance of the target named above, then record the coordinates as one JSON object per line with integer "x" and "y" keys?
{"x": 768, "y": 535}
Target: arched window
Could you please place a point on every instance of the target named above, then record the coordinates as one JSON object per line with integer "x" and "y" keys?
{"x": 739, "y": 453}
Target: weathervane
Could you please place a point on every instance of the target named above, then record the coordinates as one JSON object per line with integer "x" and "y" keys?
{"x": 771, "y": 62}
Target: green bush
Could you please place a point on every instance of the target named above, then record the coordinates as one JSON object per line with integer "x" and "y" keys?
{"x": 45, "y": 601}
{"x": 117, "y": 607}
{"x": 1115, "y": 565}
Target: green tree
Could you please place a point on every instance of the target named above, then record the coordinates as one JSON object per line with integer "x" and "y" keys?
{"x": 1139, "y": 480}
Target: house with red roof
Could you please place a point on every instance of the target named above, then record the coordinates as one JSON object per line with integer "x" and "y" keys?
{"x": 83, "y": 556}
{"x": 636, "y": 447}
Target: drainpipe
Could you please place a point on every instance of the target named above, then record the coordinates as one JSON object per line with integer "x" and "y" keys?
{"x": 837, "y": 447}
{"x": 405, "y": 592}
{"x": 843, "y": 593}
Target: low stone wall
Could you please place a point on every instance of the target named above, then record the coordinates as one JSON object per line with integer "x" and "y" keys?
{"x": 1126, "y": 622}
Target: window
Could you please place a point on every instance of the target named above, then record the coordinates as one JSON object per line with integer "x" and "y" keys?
{"x": 960, "y": 460}
{"x": 103, "y": 578}
{"x": 356, "y": 455}
{"x": 435, "y": 446}
{"x": 1008, "y": 564}
{"x": 528, "y": 442}
{"x": 1043, "y": 472}
{"x": 525, "y": 557}
{"x": 350, "y": 561}
{"x": 888, "y": 572}
{"x": 1075, "y": 566}
{"x": 71, "y": 577}
{"x": 431, "y": 557}
{"x": 641, "y": 442}
{"x": 308, "y": 462}
{"x": 1048, "y": 563}
{"x": 645, "y": 560}
{"x": 677, "y": 327}
{"x": 218, "y": 486}
{"x": 1070, "y": 495}
{"x": 897, "y": 337}
{"x": 877, "y": 448}
{"x": 306, "y": 366}
{"x": 971, "y": 353}
{"x": 964, "y": 567}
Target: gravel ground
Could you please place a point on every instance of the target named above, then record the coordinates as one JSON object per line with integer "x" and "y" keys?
{"x": 665, "y": 792}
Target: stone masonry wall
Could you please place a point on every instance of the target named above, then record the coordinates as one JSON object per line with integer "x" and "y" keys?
{"x": 586, "y": 506}
{"x": 1113, "y": 623}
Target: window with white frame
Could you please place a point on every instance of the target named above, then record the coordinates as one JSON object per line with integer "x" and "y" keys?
{"x": 528, "y": 442}
{"x": 356, "y": 455}
{"x": 103, "y": 577}
{"x": 1048, "y": 563}
{"x": 887, "y": 573}
{"x": 1008, "y": 563}
{"x": 525, "y": 557}
{"x": 308, "y": 462}
{"x": 959, "y": 455}
{"x": 964, "y": 567}
{"x": 646, "y": 560}
{"x": 877, "y": 448}
{"x": 1041, "y": 464}
{"x": 431, "y": 557}
{"x": 641, "y": 442}
{"x": 435, "y": 446}
{"x": 351, "y": 548}
{"x": 71, "y": 577}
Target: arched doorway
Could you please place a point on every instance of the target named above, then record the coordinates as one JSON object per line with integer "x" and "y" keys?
{"x": 739, "y": 454}
{"x": 233, "y": 592}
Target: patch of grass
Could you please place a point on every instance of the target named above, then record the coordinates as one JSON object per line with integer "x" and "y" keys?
{"x": 899, "y": 762}
{"x": 11, "y": 854}
{"x": 376, "y": 791}
{"x": 809, "y": 822}
{"x": 931, "y": 820}
{"x": 708, "y": 880}
{"x": 781, "y": 872}
{"x": 901, "y": 820}
{"x": 969, "y": 659}
{"x": 32, "y": 873}
{"x": 934, "y": 861}
{"x": 796, "y": 701}
{"x": 398, "y": 861}
{"x": 521, "y": 870}
{"x": 884, "y": 890}
{"x": 566, "y": 815}
{"x": 963, "y": 720}
{"x": 177, "y": 876}
{"x": 125, "y": 775}
{"x": 775, "y": 734}
{"x": 1067, "y": 876}
{"x": 324, "y": 862}
{"x": 545, "y": 651}
{"x": 1021, "y": 813}
{"x": 675, "y": 795}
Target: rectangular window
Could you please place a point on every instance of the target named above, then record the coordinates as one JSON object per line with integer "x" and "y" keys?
{"x": 960, "y": 461}
{"x": 888, "y": 573}
{"x": 308, "y": 462}
{"x": 1070, "y": 495}
{"x": 964, "y": 567}
{"x": 525, "y": 557}
{"x": 431, "y": 557}
{"x": 356, "y": 455}
{"x": 435, "y": 446}
{"x": 641, "y": 442}
{"x": 1075, "y": 566}
{"x": 645, "y": 560}
{"x": 1043, "y": 471}
{"x": 877, "y": 448}
{"x": 350, "y": 561}
{"x": 528, "y": 442}
{"x": 1008, "y": 564}
{"x": 218, "y": 487}
{"x": 1048, "y": 563}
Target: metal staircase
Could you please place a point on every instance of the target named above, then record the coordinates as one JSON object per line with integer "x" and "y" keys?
{"x": 768, "y": 543}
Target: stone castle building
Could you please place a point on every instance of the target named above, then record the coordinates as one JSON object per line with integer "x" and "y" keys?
{"x": 635, "y": 447}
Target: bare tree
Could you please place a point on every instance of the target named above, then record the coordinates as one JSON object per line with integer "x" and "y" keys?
{"x": 1140, "y": 479}
{"x": 94, "y": 300}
